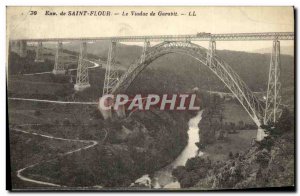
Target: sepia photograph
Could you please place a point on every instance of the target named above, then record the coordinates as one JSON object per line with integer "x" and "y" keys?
{"x": 157, "y": 98}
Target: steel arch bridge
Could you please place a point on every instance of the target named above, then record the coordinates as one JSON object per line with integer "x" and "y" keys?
{"x": 262, "y": 112}
{"x": 205, "y": 57}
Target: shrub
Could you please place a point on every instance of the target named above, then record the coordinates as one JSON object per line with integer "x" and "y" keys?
{"x": 237, "y": 155}
{"x": 179, "y": 172}
{"x": 266, "y": 143}
{"x": 262, "y": 158}
{"x": 195, "y": 163}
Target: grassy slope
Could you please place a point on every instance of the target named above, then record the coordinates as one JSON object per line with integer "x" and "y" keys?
{"x": 235, "y": 143}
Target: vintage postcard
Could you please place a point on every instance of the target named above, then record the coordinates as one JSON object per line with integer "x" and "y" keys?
{"x": 150, "y": 98}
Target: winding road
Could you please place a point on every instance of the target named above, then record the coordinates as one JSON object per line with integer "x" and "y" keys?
{"x": 59, "y": 102}
{"x": 90, "y": 143}
{"x": 20, "y": 175}
{"x": 49, "y": 72}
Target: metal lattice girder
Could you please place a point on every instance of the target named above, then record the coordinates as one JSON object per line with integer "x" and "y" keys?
{"x": 58, "y": 65}
{"x": 272, "y": 110}
{"x": 225, "y": 73}
{"x": 211, "y": 53}
{"x": 145, "y": 48}
{"x": 189, "y": 37}
{"x": 39, "y": 57}
{"x": 111, "y": 73}
{"x": 82, "y": 78}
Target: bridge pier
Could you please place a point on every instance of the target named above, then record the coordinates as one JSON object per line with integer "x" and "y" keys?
{"x": 104, "y": 106}
{"x": 39, "y": 58}
{"x": 111, "y": 72}
{"x": 107, "y": 105}
{"x": 272, "y": 109}
{"x": 211, "y": 53}
{"x": 121, "y": 111}
{"x": 260, "y": 134}
{"x": 23, "y": 48}
{"x": 82, "y": 79}
{"x": 58, "y": 65}
{"x": 106, "y": 113}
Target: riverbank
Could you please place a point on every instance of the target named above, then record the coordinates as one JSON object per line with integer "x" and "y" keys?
{"x": 225, "y": 129}
{"x": 164, "y": 178}
{"x": 236, "y": 161}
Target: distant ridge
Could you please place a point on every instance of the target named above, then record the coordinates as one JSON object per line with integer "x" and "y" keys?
{"x": 287, "y": 50}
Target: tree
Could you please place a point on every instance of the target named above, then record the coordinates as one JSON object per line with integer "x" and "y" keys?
{"x": 283, "y": 125}
{"x": 237, "y": 155}
{"x": 285, "y": 121}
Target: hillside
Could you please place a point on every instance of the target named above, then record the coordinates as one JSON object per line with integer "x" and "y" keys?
{"x": 247, "y": 65}
{"x": 144, "y": 137}
{"x": 181, "y": 73}
{"x": 125, "y": 53}
{"x": 286, "y": 50}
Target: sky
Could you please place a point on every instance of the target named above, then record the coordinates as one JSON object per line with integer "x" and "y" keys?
{"x": 20, "y": 24}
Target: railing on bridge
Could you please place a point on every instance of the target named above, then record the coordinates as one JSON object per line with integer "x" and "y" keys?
{"x": 190, "y": 37}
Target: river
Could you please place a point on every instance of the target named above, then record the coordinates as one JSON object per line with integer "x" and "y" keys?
{"x": 163, "y": 178}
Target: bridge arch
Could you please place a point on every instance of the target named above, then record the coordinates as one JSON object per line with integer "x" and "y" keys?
{"x": 220, "y": 68}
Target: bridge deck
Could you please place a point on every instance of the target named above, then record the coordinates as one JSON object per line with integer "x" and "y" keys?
{"x": 191, "y": 37}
